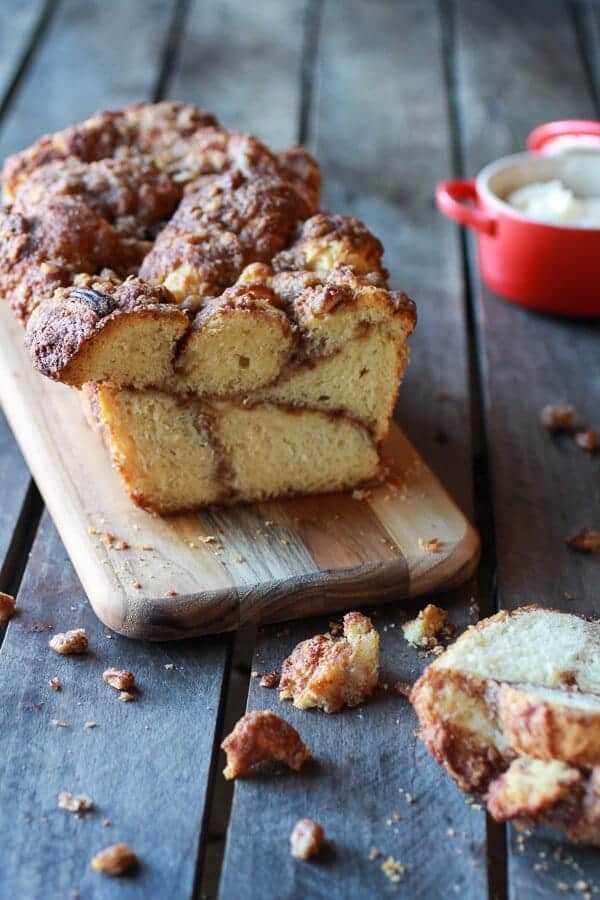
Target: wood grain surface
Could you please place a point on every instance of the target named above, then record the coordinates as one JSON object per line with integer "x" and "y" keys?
{"x": 381, "y": 146}
{"x": 217, "y": 570}
{"x": 543, "y": 488}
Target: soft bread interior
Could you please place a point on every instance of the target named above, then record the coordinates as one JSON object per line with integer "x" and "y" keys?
{"x": 177, "y": 453}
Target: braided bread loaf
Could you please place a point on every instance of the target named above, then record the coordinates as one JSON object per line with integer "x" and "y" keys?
{"x": 233, "y": 343}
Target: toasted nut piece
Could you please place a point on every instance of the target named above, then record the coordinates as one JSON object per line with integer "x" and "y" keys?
{"x": 558, "y": 418}
{"x": 75, "y": 803}
{"x": 7, "y": 607}
{"x": 587, "y": 540}
{"x": 259, "y": 737}
{"x": 423, "y": 631}
{"x": 330, "y": 673}
{"x": 74, "y": 641}
{"x": 120, "y": 679}
{"x": 115, "y": 860}
{"x": 306, "y": 839}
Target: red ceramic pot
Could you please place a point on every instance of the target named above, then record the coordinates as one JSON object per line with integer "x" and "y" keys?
{"x": 549, "y": 268}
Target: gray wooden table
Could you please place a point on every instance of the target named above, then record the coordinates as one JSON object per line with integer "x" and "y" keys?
{"x": 392, "y": 96}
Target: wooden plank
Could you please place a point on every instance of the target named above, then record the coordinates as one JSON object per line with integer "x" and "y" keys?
{"x": 243, "y": 61}
{"x": 543, "y": 489}
{"x": 148, "y": 764}
{"x": 231, "y": 64}
{"x": 382, "y": 148}
{"x": 96, "y": 56}
{"x": 145, "y": 765}
{"x": 20, "y": 24}
{"x": 217, "y": 571}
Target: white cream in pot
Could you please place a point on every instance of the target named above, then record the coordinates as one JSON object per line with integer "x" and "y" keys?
{"x": 553, "y": 201}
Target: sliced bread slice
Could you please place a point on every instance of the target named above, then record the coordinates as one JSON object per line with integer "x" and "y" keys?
{"x": 512, "y": 710}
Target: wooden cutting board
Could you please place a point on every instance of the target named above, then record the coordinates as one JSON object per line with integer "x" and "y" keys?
{"x": 220, "y": 569}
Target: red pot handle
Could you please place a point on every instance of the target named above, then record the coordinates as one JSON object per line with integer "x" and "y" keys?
{"x": 540, "y": 136}
{"x": 450, "y": 196}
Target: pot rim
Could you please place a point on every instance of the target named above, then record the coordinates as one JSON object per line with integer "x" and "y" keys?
{"x": 490, "y": 198}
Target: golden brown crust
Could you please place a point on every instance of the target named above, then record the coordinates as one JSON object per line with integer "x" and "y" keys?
{"x": 157, "y": 129}
{"x": 326, "y": 240}
{"x": 262, "y": 737}
{"x": 48, "y": 247}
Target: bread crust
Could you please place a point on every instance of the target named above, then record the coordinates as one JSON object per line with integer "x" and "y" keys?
{"x": 548, "y": 730}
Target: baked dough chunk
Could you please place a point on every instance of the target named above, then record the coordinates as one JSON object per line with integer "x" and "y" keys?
{"x": 46, "y": 248}
{"x": 100, "y": 329}
{"x": 327, "y": 240}
{"x": 130, "y": 193}
{"x": 262, "y": 737}
{"x": 512, "y": 710}
{"x": 223, "y": 225}
{"x": 331, "y": 673}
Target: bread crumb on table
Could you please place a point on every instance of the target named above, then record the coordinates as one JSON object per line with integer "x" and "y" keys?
{"x": 126, "y": 696}
{"x": 329, "y": 672}
{"x": 306, "y": 839}
{"x": 270, "y": 680}
{"x": 261, "y": 736}
{"x": 120, "y": 679}
{"x": 558, "y": 418}
{"x": 424, "y": 630}
{"x": 69, "y": 642}
{"x": 587, "y": 440}
{"x": 55, "y": 684}
{"x": 8, "y": 607}
{"x": 89, "y": 724}
{"x": 431, "y": 545}
{"x": 587, "y": 540}
{"x": 75, "y": 803}
{"x": 393, "y": 870}
{"x": 115, "y": 860}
